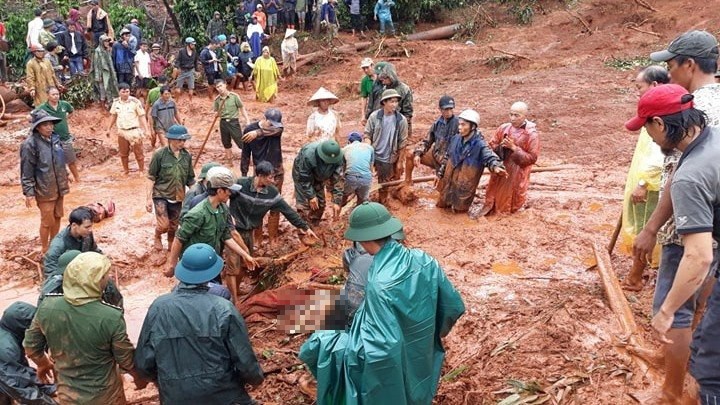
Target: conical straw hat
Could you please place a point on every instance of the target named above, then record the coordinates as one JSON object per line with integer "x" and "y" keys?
{"x": 322, "y": 94}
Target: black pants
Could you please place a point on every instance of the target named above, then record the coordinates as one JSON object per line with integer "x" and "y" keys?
{"x": 125, "y": 78}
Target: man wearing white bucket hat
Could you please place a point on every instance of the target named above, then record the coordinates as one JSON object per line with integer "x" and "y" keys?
{"x": 324, "y": 122}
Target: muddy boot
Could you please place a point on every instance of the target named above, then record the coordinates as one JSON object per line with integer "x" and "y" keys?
{"x": 157, "y": 244}
{"x": 273, "y": 225}
{"x": 125, "y": 164}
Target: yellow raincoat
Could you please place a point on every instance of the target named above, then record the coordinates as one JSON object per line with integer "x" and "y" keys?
{"x": 266, "y": 74}
{"x": 646, "y": 165}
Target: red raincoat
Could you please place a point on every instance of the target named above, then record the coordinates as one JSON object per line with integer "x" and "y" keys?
{"x": 507, "y": 195}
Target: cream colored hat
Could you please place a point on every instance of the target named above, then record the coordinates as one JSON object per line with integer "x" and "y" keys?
{"x": 289, "y": 32}
{"x": 322, "y": 94}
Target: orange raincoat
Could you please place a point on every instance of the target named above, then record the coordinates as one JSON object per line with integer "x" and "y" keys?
{"x": 507, "y": 195}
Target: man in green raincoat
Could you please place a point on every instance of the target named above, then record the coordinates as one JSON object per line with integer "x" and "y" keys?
{"x": 87, "y": 338}
{"x": 393, "y": 352}
{"x": 318, "y": 163}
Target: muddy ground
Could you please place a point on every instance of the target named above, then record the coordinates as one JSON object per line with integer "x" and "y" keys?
{"x": 537, "y": 323}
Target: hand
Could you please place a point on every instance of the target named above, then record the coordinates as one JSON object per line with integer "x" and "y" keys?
{"x": 310, "y": 232}
{"x": 500, "y": 171}
{"x": 29, "y": 201}
{"x": 508, "y": 143}
{"x": 149, "y": 206}
{"x": 46, "y": 371}
{"x": 169, "y": 270}
{"x": 644, "y": 244}
{"x": 416, "y": 160}
{"x": 314, "y": 205}
{"x": 336, "y": 210}
{"x": 250, "y": 262}
{"x": 639, "y": 195}
{"x": 250, "y": 136}
{"x": 661, "y": 322}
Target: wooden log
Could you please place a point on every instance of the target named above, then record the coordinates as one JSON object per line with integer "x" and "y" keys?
{"x": 424, "y": 179}
{"x": 620, "y": 307}
{"x": 438, "y": 33}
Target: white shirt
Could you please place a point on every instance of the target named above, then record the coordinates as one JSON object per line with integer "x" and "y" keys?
{"x": 327, "y": 124}
{"x": 142, "y": 61}
{"x": 35, "y": 26}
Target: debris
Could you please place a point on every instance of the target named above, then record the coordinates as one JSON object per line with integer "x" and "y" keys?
{"x": 634, "y": 28}
{"x": 438, "y": 33}
{"x": 509, "y": 53}
{"x": 645, "y": 4}
{"x": 582, "y": 20}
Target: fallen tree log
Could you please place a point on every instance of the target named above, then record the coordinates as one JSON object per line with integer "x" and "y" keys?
{"x": 535, "y": 169}
{"x": 620, "y": 307}
{"x": 438, "y": 33}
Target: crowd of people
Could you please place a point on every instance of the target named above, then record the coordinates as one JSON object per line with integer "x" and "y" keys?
{"x": 194, "y": 343}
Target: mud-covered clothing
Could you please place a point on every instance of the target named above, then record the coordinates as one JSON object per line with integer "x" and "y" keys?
{"x": 249, "y": 206}
{"x": 508, "y": 194}
{"x": 195, "y": 345}
{"x": 42, "y": 168}
{"x": 310, "y": 173}
{"x": 387, "y": 145}
{"x": 19, "y": 381}
{"x": 265, "y": 147}
{"x": 63, "y": 109}
{"x": 327, "y": 124}
{"x": 171, "y": 174}
{"x": 438, "y": 138}
{"x": 393, "y": 352}
{"x": 61, "y": 243}
{"x": 39, "y": 76}
{"x": 205, "y": 224}
{"x": 461, "y": 169}
{"x": 86, "y": 338}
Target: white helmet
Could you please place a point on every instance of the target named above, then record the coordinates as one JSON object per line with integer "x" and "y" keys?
{"x": 470, "y": 116}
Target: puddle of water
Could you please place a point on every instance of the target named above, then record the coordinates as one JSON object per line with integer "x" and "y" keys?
{"x": 506, "y": 268}
{"x": 595, "y": 207}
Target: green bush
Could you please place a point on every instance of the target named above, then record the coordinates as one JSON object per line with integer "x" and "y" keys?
{"x": 193, "y": 16}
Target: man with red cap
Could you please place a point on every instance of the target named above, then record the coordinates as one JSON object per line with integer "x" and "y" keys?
{"x": 668, "y": 114}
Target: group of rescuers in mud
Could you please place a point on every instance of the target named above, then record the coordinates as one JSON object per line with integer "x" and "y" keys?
{"x": 194, "y": 343}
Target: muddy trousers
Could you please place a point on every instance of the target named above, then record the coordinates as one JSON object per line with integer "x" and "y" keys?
{"x": 235, "y": 270}
{"x": 274, "y": 217}
{"x": 385, "y": 172}
{"x": 124, "y": 147}
{"x": 302, "y": 205}
{"x": 167, "y": 218}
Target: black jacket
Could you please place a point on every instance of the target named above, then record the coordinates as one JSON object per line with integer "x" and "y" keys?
{"x": 42, "y": 168}
{"x": 80, "y": 44}
{"x": 18, "y": 381}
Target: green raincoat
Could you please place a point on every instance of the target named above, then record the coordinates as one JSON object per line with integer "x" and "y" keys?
{"x": 104, "y": 72}
{"x": 86, "y": 337}
{"x": 393, "y": 352}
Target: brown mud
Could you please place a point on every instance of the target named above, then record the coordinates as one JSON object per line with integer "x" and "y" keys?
{"x": 537, "y": 322}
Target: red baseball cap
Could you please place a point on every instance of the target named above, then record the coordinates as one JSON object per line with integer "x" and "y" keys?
{"x": 659, "y": 101}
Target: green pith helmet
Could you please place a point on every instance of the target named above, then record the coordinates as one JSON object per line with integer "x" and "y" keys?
{"x": 199, "y": 264}
{"x": 205, "y": 168}
{"x": 330, "y": 152}
{"x": 177, "y": 132}
{"x": 66, "y": 258}
{"x": 371, "y": 221}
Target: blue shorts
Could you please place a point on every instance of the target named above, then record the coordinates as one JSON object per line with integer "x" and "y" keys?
{"x": 669, "y": 262}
